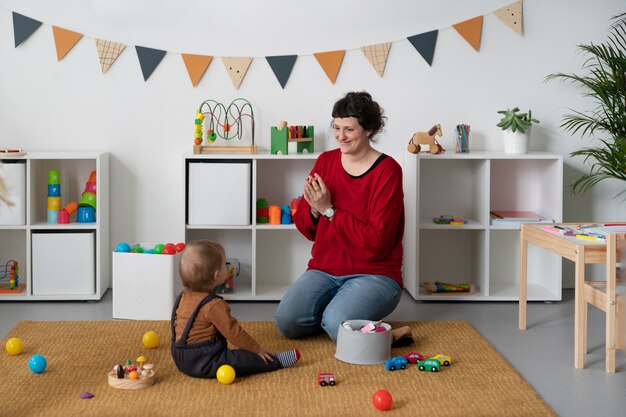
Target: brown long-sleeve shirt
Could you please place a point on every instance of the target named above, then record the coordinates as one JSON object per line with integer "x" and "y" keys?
{"x": 214, "y": 316}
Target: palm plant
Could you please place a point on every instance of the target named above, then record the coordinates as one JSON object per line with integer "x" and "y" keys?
{"x": 604, "y": 81}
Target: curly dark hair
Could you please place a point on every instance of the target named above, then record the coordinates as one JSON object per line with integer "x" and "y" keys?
{"x": 361, "y": 106}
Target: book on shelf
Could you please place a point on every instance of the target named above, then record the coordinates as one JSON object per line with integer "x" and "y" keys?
{"x": 511, "y": 217}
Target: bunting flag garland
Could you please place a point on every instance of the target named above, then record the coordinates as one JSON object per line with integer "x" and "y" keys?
{"x": 425, "y": 44}
{"x": 377, "y": 56}
{"x": 108, "y": 52}
{"x": 237, "y": 66}
{"x": 64, "y": 40}
{"x": 149, "y": 59}
{"x": 512, "y": 16}
{"x": 282, "y": 66}
{"x": 196, "y": 66}
{"x": 330, "y": 63}
{"x": 23, "y": 27}
{"x": 471, "y": 30}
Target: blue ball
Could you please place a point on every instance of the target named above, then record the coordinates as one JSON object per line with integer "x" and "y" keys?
{"x": 37, "y": 363}
{"x": 123, "y": 247}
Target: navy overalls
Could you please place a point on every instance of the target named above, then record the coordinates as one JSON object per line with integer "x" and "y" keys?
{"x": 201, "y": 360}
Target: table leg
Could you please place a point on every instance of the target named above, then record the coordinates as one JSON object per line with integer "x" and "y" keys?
{"x": 523, "y": 271}
{"x": 579, "y": 307}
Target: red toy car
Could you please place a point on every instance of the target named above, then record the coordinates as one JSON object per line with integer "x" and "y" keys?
{"x": 326, "y": 379}
{"x": 414, "y": 357}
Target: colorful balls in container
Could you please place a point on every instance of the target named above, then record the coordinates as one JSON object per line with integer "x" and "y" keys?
{"x": 158, "y": 248}
{"x": 122, "y": 247}
{"x": 37, "y": 363}
{"x": 180, "y": 247}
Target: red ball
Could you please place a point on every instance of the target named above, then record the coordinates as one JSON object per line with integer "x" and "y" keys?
{"x": 168, "y": 250}
{"x": 382, "y": 400}
{"x": 180, "y": 247}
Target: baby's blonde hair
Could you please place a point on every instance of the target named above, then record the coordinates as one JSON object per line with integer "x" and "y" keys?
{"x": 198, "y": 264}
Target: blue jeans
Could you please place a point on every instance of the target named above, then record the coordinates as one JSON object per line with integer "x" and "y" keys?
{"x": 318, "y": 300}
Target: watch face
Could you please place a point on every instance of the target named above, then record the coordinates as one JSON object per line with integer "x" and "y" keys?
{"x": 329, "y": 212}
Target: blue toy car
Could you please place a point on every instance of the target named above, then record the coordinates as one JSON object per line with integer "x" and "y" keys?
{"x": 397, "y": 362}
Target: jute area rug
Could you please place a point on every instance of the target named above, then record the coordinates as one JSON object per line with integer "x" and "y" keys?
{"x": 480, "y": 382}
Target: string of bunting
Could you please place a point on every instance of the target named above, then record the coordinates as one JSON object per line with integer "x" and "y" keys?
{"x": 282, "y": 65}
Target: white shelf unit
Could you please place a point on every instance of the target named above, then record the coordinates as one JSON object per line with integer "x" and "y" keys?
{"x": 485, "y": 255}
{"x": 272, "y": 257}
{"x": 16, "y": 241}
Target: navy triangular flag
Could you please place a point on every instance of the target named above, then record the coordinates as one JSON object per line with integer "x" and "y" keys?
{"x": 149, "y": 59}
{"x": 282, "y": 66}
{"x": 425, "y": 44}
{"x": 23, "y": 27}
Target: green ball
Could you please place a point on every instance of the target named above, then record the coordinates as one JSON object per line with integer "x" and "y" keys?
{"x": 159, "y": 248}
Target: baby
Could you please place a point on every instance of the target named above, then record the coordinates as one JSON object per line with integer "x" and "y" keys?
{"x": 202, "y": 324}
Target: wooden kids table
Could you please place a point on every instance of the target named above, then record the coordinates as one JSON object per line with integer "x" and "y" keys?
{"x": 579, "y": 251}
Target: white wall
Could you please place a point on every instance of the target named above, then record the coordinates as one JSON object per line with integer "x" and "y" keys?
{"x": 147, "y": 126}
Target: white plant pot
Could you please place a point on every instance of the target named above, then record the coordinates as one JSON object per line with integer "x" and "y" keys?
{"x": 515, "y": 142}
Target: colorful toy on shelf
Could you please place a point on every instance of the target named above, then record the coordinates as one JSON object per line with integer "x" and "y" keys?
{"x": 131, "y": 376}
{"x": 285, "y": 214}
{"x": 233, "y": 267}
{"x": 446, "y": 287}
{"x": 295, "y": 202}
{"x": 224, "y": 123}
{"x": 14, "y": 346}
{"x": 66, "y": 212}
{"x": 426, "y": 138}
{"x": 325, "y": 378}
{"x": 54, "y": 196}
{"x": 274, "y": 214}
{"x": 10, "y": 274}
{"x": 262, "y": 211}
{"x": 87, "y": 204}
{"x": 282, "y": 135}
{"x": 451, "y": 220}
{"x": 382, "y": 400}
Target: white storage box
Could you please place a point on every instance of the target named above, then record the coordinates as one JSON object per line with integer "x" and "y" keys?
{"x": 63, "y": 263}
{"x": 13, "y": 174}
{"x": 219, "y": 192}
{"x": 145, "y": 285}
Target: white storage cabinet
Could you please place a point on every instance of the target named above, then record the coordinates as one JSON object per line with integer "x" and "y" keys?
{"x": 485, "y": 255}
{"x": 271, "y": 256}
{"x": 59, "y": 261}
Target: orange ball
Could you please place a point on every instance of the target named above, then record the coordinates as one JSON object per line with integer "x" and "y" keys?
{"x": 197, "y": 141}
{"x": 226, "y": 127}
{"x": 133, "y": 375}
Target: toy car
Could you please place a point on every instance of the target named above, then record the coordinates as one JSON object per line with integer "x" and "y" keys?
{"x": 326, "y": 379}
{"x": 429, "y": 364}
{"x": 443, "y": 359}
{"x": 397, "y": 362}
{"x": 414, "y": 357}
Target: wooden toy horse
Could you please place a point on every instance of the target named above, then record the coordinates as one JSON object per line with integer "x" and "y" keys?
{"x": 426, "y": 138}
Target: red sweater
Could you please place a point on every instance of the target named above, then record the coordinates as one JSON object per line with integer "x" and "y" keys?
{"x": 366, "y": 231}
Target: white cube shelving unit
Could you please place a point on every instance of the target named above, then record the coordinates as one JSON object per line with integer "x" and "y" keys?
{"x": 485, "y": 255}
{"x": 271, "y": 256}
{"x": 80, "y": 275}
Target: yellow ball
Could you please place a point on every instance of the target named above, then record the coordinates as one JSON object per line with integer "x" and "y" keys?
{"x": 225, "y": 374}
{"x": 14, "y": 346}
{"x": 150, "y": 339}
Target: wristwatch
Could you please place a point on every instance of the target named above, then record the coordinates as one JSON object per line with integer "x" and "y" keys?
{"x": 328, "y": 213}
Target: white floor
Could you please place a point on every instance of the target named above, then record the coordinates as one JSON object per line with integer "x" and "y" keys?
{"x": 543, "y": 354}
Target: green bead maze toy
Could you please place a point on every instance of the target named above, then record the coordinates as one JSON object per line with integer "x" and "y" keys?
{"x": 226, "y": 123}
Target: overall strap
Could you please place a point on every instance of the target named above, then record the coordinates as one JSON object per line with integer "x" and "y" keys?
{"x": 192, "y": 318}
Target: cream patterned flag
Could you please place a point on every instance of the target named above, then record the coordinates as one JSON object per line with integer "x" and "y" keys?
{"x": 108, "y": 52}
{"x": 237, "y": 66}
{"x": 512, "y": 16}
{"x": 377, "y": 55}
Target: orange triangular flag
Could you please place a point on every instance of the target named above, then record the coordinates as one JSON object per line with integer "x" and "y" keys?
{"x": 196, "y": 66}
{"x": 236, "y": 67}
{"x": 512, "y": 16}
{"x": 471, "y": 30}
{"x": 330, "y": 63}
{"x": 108, "y": 52}
{"x": 377, "y": 56}
{"x": 64, "y": 40}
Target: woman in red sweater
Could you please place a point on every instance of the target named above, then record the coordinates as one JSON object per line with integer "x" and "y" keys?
{"x": 353, "y": 211}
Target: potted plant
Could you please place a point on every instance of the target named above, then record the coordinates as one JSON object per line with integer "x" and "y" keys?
{"x": 603, "y": 81}
{"x": 515, "y": 127}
